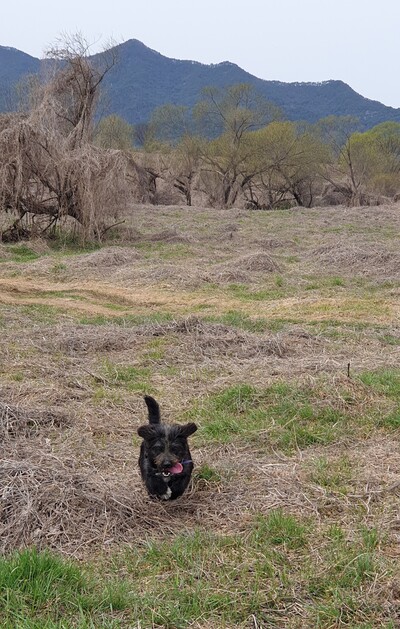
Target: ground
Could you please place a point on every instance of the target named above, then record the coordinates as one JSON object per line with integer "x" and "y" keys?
{"x": 278, "y": 333}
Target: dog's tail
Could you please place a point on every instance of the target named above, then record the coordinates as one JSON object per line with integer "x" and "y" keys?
{"x": 153, "y": 408}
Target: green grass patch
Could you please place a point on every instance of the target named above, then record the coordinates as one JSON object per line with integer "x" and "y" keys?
{"x": 155, "y": 350}
{"x": 391, "y": 420}
{"x": 113, "y": 306}
{"x": 386, "y": 381}
{"x": 286, "y": 416}
{"x": 389, "y": 339}
{"x": 165, "y": 250}
{"x": 207, "y": 473}
{"x": 17, "y": 376}
{"x": 334, "y": 475}
{"x": 105, "y": 394}
{"x": 130, "y": 377}
{"x": 62, "y": 294}
{"x": 240, "y": 320}
{"x": 58, "y": 268}
{"x": 245, "y": 293}
{"x": 42, "y": 313}
{"x": 202, "y": 577}
{"x": 70, "y": 243}
{"x": 319, "y": 282}
{"x": 216, "y": 578}
{"x": 279, "y": 529}
{"x": 43, "y": 590}
{"x": 337, "y": 585}
{"x": 22, "y": 253}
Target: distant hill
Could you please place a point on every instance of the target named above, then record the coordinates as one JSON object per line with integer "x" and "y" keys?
{"x": 14, "y": 64}
{"x": 143, "y": 79}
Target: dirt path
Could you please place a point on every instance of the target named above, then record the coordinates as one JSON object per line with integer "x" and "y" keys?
{"x": 100, "y": 298}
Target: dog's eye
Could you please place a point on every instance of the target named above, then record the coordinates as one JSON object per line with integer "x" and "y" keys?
{"x": 177, "y": 448}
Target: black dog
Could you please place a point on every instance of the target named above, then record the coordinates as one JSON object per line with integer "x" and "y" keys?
{"x": 165, "y": 461}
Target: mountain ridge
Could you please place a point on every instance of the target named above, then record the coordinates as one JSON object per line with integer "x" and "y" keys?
{"x": 144, "y": 79}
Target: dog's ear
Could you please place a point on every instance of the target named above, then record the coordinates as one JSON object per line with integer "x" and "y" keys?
{"x": 187, "y": 429}
{"x": 147, "y": 432}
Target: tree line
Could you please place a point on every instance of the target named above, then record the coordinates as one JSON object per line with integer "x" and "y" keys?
{"x": 233, "y": 148}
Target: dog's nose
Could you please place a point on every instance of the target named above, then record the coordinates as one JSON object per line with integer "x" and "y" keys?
{"x": 167, "y": 463}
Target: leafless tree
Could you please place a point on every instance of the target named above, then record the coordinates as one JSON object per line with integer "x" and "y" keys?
{"x": 48, "y": 166}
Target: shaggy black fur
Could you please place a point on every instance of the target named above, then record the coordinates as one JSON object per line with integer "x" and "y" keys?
{"x": 165, "y": 460}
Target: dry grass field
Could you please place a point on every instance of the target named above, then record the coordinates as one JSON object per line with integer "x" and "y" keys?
{"x": 278, "y": 333}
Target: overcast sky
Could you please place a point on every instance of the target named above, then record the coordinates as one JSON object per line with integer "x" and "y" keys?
{"x": 356, "y": 41}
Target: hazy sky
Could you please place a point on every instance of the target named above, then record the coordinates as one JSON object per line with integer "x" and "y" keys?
{"x": 356, "y": 41}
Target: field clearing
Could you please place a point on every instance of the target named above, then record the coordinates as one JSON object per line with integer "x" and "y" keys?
{"x": 278, "y": 333}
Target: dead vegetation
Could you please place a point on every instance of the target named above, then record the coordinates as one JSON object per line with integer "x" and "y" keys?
{"x": 52, "y": 499}
{"x": 264, "y": 344}
{"x": 17, "y": 422}
{"x": 258, "y": 262}
{"x": 49, "y": 170}
{"x": 351, "y": 258}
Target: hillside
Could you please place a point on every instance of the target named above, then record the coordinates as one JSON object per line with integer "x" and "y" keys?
{"x": 14, "y": 64}
{"x": 144, "y": 79}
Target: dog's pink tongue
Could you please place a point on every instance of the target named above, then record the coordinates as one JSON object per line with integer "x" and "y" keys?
{"x": 177, "y": 468}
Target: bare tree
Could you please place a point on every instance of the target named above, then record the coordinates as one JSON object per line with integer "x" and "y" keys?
{"x": 341, "y": 172}
{"x": 48, "y": 166}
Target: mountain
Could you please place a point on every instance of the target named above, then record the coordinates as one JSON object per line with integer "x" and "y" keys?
{"x": 143, "y": 79}
{"x": 14, "y": 64}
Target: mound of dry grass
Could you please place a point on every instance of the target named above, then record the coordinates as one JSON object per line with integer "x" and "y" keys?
{"x": 369, "y": 260}
{"x": 49, "y": 501}
{"x": 275, "y": 243}
{"x": 96, "y": 264}
{"x": 52, "y": 500}
{"x": 16, "y": 421}
{"x": 172, "y": 274}
{"x": 217, "y": 339}
{"x": 83, "y": 339}
{"x": 200, "y": 338}
{"x": 106, "y": 258}
{"x": 185, "y": 276}
{"x": 168, "y": 236}
{"x": 226, "y": 275}
{"x": 259, "y": 261}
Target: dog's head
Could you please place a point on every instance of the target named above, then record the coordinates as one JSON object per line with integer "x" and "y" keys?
{"x": 167, "y": 446}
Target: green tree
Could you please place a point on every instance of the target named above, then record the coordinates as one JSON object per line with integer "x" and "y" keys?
{"x": 169, "y": 123}
{"x": 113, "y": 132}
{"x": 283, "y": 164}
{"x": 362, "y": 164}
{"x": 185, "y": 165}
{"x": 234, "y": 113}
{"x": 380, "y": 147}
